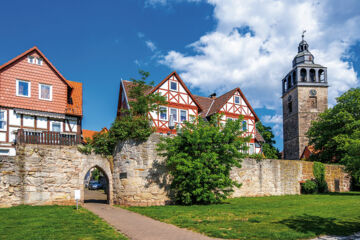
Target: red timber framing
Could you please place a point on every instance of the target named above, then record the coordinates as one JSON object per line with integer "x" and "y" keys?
{"x": 184, "y": 105}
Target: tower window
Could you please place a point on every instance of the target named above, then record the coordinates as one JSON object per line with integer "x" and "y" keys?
{"x": 303, "y": 75}
{"x": 322, "y": 75}
{"x": 312, "y": 75}
{"x": 289, "y": 82}
{"x": 290, "y": 107}
{"x": 294, "y": 77}
{"x": 313, "y": 102}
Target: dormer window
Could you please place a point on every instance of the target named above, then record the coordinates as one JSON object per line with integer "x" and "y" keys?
{"x": 39, "y": 61}
{"x": 31, "y": 59}
{"x": 237, "y": 100}
{"x": 173, "y": 86}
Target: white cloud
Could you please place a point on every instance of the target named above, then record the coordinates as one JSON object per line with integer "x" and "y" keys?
{"x": 258, "y": 60}
{"x": 140, "y": 35}
{"x": 150, "y": 45}
{"x": 272, "y": 119}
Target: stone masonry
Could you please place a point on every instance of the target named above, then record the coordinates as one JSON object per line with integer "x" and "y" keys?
{"x": 41, "y": 175}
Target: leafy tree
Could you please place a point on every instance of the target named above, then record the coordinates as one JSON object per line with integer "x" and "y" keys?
{"x": 199, "y": 160}
{"x": 336, "y": 133}
{"x": 133, "y": 123}
{"x": 319, "y": 174}
{"x": 268, "y": 146}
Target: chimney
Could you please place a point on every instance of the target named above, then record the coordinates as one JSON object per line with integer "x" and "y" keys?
{"x": 212, "y": 96}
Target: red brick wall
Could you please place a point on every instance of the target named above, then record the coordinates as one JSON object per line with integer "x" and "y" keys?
{"x": 36, "y": 74}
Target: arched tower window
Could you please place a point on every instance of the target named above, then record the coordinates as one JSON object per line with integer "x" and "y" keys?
{"x": 289, "y": 82}
{"x": 303, "y": 75}
{"x": 284, "y": 85}
{"x": 312, "y": 75}
{"x": 294, "y": 78}
{"x": 321, "y": 75}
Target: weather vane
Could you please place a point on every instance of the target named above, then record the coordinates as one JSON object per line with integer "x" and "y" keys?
{"x": 303, "y": 34}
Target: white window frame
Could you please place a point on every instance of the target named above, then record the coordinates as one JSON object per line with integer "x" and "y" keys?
{"x": 166, "y": 115}
{"x": 39, "y": 61}
{"x": 186, "y": 115}
{"x": 52, "y": 126}
{"x": 47, "y": 85}
{"x": 5, "y": 117}
{"x": 17, "y": 88}
{"x": 252, "y": 149}
{"x": 247, "y": 125}
{"x": 31, "y": 59}
{"x": 176, "y": 86}
{"x": 237, "y": 97}
{"x": 4, "y": 152}
{"x": 177, "y": 114}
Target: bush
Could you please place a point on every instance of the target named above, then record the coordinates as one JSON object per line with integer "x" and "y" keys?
{"x": 309, "y": 187}
{"x": 319, "y": 174}
{"x": 199, "y": 160}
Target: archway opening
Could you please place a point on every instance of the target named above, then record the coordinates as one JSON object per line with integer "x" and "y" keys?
{"x": 96, "y": 186}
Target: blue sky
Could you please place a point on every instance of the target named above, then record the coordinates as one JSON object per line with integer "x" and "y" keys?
{"x": 214, "y": 45}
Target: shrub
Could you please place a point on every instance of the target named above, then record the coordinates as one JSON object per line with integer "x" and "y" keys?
{"x": 309, "y": 187}
{"x": 319, "y": 174}
{"x": 199, "y": 160}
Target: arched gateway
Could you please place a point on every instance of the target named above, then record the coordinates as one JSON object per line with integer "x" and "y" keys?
{"x": 104, "y": 166}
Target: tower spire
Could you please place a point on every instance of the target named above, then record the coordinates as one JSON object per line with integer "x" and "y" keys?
{"x": 303, "y": 34}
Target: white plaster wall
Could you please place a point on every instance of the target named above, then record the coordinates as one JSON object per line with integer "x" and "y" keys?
{"x": 28, "y": 121}
{"x": 41, "y": 123}
{"x": 14, "y": 118}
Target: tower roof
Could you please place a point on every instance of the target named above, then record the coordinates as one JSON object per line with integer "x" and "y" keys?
{"x": 304, "y": 56}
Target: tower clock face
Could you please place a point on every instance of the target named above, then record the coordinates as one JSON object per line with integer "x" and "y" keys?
{"x": 313, "y": 92}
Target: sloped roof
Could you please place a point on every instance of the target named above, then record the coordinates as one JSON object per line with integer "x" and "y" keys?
{"x": 76, "y": 94}
{"x": 88, "y": 134}
{"x": 24, "y": 54}
{"x": 181, "y": 82}
{"x": 258, "y": 136}
{"x": 205, "y": 103}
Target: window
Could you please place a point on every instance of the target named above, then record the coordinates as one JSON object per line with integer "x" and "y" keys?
{"x": 173, "y": 113}
{"x": 244, "y": 125}
{"x": 23, "y": 88}
{"x": 163, "y": 113}
{"x": 237, "y": 99}
{"x": 2, "y": 120}
{"x": 31, "y": 59}
{"x": 45, "y": 92}
{"x": 173, "y": 86}
{"x": 290, "y": 107}
{"x": 183, "y": 115}
{"x": 39, "y": 61}
{"x": 230, "y": 119}
{"x": 56, "y": 127}
{"x": 252, "y": 148}
{"x": 4, "y": 152}
{"x": 192, "y": 118}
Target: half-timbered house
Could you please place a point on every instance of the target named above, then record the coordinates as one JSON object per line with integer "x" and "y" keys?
{"x": 182, "y": 106}
{"x": 37, "y": 100}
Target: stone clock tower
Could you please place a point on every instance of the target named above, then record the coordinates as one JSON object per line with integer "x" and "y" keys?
{"x": 304, "y": 96}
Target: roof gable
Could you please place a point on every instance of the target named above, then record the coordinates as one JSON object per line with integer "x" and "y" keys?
{"x": 31, "y": 50}
{"x": 182, "y": 84}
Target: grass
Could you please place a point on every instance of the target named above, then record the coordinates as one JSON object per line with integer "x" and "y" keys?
{"x": 53, "y": 222}
{"x": 277, "y": 217}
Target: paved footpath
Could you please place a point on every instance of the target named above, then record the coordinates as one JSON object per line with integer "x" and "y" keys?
{"x": 352, "y": 237}
{"x": 139, "y": 227}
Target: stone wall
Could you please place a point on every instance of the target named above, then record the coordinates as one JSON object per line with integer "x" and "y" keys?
{"x": 41, "y": 175}
{"x": 140, "y": 178}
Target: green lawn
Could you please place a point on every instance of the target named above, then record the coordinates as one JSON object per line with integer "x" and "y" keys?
{"x": 53, "y": 222}
{"x": 278, "y": 217}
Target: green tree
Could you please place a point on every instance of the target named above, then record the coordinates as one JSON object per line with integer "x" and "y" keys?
{"x": 199, "y": 160}
{"x": 336, "y": 133}
{"x": 133, "y": 123}
{"x": 268, "y": 146}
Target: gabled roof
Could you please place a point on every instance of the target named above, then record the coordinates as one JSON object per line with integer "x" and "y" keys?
{"x": 24, "y": 54}
{"x": 206, "y": 104}
{"x": 128, "y": 85}
{"x": 182, "y": 84}
{"x": 75, "y": 106}
{"x": 258, "y": 137}
{"x": 216, "y": 104}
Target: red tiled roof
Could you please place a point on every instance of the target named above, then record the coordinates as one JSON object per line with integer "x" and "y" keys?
{"x": 88, "y": 134}
{"x": 15, "y": 59}
{"x": 220, "y": 102}
{"x": 74, "y": 107}
{"x": 205, "y": 103}
{"x": 258, "y": 136}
